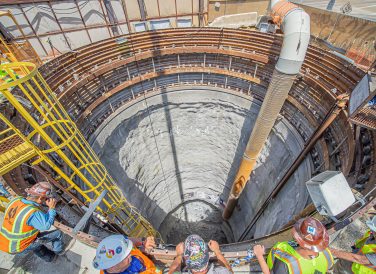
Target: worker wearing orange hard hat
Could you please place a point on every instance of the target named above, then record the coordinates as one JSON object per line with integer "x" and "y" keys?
{"x": 25, "y": 226}
{"x": 310, "y": 256}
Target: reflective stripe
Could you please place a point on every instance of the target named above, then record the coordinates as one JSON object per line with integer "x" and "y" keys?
{"x": 19, "y": 236}
{"x": 17, "y": 232}
{"x": 19, "y": 221}
{"x": 15, "y": 239}
{"x": 290, "y": 260}
{"x": 27, "y": 214}
{"x": 13, "y": 246}
{"x": 328, "y": 257}
{"x": 297, "y": 264}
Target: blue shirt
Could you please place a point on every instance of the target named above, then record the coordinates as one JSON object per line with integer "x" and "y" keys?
{"x": 40, "y": 220}
{"x": 135, "y": 267}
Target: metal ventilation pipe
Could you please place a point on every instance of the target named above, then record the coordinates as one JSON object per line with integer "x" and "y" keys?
{"x": 295, "y": 24}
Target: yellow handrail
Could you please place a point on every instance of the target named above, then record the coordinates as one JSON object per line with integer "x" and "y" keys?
{"x": 53, "y": 132}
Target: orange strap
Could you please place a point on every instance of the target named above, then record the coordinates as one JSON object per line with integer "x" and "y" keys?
{"x": 280, "y": 10}
{"x": 150, "y": 267}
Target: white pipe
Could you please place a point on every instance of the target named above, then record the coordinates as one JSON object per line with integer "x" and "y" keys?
{"x": 296, "y": 27}
{"x": 297, "y": 32}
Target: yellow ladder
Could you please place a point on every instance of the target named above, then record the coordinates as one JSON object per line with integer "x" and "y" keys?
{"x": 55, "y": 136}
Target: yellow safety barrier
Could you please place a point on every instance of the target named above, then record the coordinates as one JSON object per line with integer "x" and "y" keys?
{"x": 53, "y": 135}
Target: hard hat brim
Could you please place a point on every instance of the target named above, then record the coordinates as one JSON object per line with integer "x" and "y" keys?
{"x": 30, "y": 192}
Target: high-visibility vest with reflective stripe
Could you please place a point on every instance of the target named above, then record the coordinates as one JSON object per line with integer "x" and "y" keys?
{"x": 4, "y": 76}
{"x": 15, "y": 234}
{"x": 364, "y": 248}
{"x": 296, "y": 264}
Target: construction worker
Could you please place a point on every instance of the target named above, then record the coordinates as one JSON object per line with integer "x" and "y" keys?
{"x": 119, "y": 254}
{"x": 311, "y": 256}
{"x": 195, "y": 253}
{"x": 24, "y": 222}
{"x": 363, "y": 258}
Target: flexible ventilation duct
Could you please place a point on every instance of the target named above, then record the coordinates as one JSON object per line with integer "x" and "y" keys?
{"x": 295, "y": 24}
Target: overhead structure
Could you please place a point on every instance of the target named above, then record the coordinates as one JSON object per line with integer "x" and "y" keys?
{"x": 55, "y": 140}
{"x": 20, "y": 50}
{"x": 295, "y": 24}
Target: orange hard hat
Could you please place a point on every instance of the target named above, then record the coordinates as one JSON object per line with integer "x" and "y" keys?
{"x": 311, "y": 234}
{"x": 43, "y": 189}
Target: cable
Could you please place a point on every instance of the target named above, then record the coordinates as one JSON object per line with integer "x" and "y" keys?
{"x": 159, "y": 155}
{"x": 151, "y": 123}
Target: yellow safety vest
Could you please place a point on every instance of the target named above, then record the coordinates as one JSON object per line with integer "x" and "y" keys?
{"x": 364, "y": 248}
{"x": 296, "y": 264}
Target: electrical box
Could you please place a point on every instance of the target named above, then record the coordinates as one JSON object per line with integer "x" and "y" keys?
{"x": 330, "y": 193}
{"x": 267, "y": 28}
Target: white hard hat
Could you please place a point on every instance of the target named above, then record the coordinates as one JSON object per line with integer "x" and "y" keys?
{"x": 372, "y": 224}
{"x": 111, "y": 251}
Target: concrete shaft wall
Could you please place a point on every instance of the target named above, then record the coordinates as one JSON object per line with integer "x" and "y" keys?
{"x": 200, "y": 134}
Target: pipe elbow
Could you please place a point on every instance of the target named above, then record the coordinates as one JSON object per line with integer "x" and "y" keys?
{"x": 295, "y": 24}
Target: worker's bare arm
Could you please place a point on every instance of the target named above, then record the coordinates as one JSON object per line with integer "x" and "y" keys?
{"x": 146, "y": 244}
{"x": 176, "y": 264}
{"x": 214, "y": 246}
{"x": 348, "y": 256}
{"x": 259, "y": 251}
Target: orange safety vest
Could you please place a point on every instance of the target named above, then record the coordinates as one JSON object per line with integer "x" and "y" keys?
{"x": 15, "y": 234}
{"x": 150, "y": 266}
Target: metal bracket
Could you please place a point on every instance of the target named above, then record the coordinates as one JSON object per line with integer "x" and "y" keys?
{"x": 82, "y": 222}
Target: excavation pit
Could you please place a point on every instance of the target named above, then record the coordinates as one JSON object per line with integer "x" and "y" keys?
{"x": 174, "y": 154}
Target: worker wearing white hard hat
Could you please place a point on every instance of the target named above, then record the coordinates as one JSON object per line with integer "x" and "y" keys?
{"x": 119, "y": 254}
{"x": 363, "y": 258}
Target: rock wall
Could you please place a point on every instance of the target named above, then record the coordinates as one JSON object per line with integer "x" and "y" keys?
{"x": 174, "y": 155}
